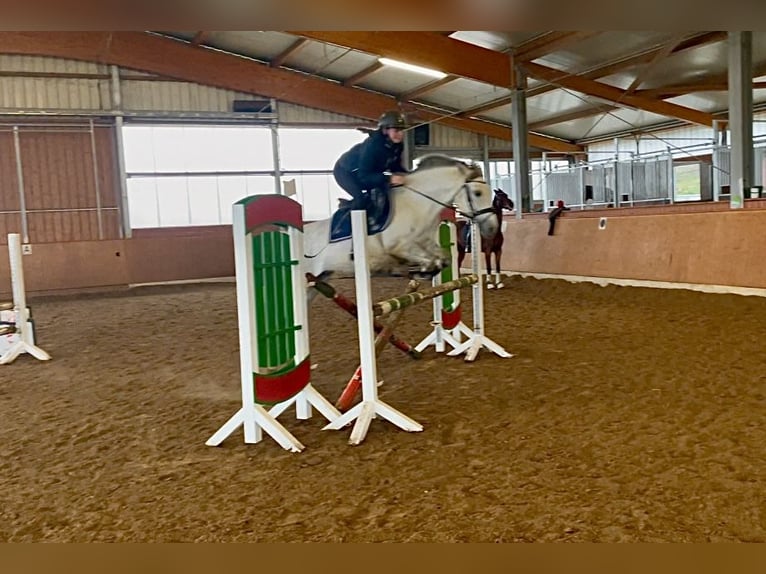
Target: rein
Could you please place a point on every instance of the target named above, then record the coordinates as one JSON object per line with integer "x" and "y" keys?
{"x": 465, "y": 187}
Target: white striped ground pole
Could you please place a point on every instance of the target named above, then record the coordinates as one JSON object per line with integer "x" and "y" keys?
{"x": 273, "y": 321}
{"x": 370, "y": 406}
{"x": 477, "y": 340}
{"x": 25, "y": 342}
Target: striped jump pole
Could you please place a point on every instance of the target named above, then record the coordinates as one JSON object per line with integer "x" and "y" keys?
{"x": 477, "y": 340}
{"x": 21, "y": 332}
{"x": 275, "y": 368}
{"x": 383, "y": 308}
{"x": 370, "y": 406}
{"x": 350, "y": 307}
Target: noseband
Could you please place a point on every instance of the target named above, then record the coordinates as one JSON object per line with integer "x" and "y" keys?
{"x": 474, "y": 212}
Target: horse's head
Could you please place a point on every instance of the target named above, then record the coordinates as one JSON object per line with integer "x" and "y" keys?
{"x": 502, "y": 201}
{"x": 474, "y": 200}
{"x": 450, "y": 181}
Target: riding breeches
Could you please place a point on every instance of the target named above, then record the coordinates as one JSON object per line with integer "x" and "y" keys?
{"x": 348, "y": 182}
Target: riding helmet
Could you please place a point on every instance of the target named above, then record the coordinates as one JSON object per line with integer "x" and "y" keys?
{"x": 392, "y": 119}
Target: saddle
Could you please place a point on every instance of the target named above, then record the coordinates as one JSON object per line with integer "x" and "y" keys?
{"x": 378, "y": 207}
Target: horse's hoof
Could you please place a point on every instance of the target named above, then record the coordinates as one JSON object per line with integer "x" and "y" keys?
{"x": 423, "y": 274}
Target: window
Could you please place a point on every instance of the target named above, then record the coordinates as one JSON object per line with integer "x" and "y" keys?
{"x": 191, "y": 175}
{"x": 686, "y": 181}
{"x": 181, "y": 175}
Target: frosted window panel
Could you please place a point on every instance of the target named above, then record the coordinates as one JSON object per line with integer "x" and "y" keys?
{"x": 139, "y": 149}
{"x": 260, "y": 184}
{"x": 170, "y": 149}
{"x": 315, "y": 196}
{"x": 231, "y": 188}
{"x": 173, "y": 201}
{"x": 242, "y": 149}
{"x": 501, "y": 167}
{"x": 304, "y": 149}
{"x": 142, "y": 203}
{"x": 203, "y": 201}
{"x": 201, "y": 152}
{"x": 536, "y": 183}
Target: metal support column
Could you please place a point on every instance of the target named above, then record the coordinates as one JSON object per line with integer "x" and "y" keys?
{"x": 741, "y": 115}
{"x": 485, "y": 158}
{"x": 120, "y": 144}
{"x": 522, "y": 196}
{"x": 96, "y": 179}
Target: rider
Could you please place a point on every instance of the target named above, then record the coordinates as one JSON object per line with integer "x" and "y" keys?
{"x": 374, "y": 164}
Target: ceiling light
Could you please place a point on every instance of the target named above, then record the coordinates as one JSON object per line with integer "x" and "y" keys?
{"x": 412, "y": 68}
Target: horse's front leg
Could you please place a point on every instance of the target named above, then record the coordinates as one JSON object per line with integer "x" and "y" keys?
{"x": 498, "y": 278}
{"x": 426, "y": 257}
{"x": 488, "y": 261}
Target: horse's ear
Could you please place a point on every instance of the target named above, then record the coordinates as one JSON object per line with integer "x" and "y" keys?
{"x": 475, "y": 171}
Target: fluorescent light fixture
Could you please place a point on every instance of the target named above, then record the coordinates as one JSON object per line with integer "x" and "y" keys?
{"x": 412, "y": 68}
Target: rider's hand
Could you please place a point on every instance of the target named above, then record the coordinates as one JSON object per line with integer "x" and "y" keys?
{"x": 396, "y": 179}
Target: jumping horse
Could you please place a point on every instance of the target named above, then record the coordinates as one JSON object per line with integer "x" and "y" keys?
{"x": 489, "y": 245}
{"x": 408, "y": 245}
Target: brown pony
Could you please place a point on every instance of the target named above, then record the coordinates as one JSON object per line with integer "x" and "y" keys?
{"x": 494, "y": 245}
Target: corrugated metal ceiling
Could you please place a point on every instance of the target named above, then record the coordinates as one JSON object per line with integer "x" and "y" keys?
{"x": 703, "y": 64}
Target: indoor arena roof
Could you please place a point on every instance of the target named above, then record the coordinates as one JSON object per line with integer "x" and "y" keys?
{"x": 583, "y": 86}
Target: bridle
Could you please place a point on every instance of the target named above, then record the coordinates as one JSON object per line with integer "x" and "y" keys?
{"x": 465, "y": 187}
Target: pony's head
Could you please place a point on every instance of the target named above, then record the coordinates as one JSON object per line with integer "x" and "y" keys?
{"x": 461, "y": 184}
{"x": 502, "y": 201}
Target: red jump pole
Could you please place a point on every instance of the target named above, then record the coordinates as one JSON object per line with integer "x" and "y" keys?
{"x": 348, "y": 305}
{"x": 355, "y": 383}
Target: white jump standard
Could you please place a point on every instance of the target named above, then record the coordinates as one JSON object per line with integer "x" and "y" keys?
{"x": 23, "y": 337}
{"x": 370, "y": 406}
{"x": 275, "y": 366}
{"x": 477, "y": 339}
{"x": 448, "y": 329}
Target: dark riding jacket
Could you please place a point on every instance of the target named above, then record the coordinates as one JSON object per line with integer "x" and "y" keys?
{"x": 368, "y": 160}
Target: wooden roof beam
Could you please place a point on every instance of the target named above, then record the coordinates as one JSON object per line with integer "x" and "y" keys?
{"x": 576, "y": 115}
{"x": 625, "y": 63}
{"x": 656, "y": 59}
{"x": 546, "y": 43}
{"x": 180, "y": 60}
{"x": 428, "y": 49}
{"x": 279, "y": 59}
{"x": 617, "y": 96}
{"x": 359, "y": 76}
{"x": 425, "y": 88}
{"x": 494, "y": 104}
{"x": 708, "y": 83}
{"x": 711, "y": 82}
{"x": 683, "y": 89}
{"x": 199, "y": 38}
{"x": 462, "y": 59}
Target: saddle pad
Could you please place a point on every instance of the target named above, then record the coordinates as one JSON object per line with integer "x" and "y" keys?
{"x": 378, "y": 219}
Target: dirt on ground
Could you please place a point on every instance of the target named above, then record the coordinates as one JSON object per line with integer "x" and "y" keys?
{"x": 625, "y": 415}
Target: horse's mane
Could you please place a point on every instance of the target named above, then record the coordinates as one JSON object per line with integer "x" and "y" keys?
{"x": 439, "y": 160}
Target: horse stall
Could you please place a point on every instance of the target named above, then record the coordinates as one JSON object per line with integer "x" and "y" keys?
{"x": 627, "y": 414}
